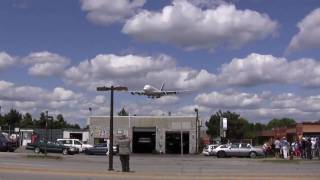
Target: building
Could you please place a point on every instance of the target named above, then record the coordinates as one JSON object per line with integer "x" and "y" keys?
{"x": 82, "y": 135}
{"x": 149, "y": 134}
{"x": 299, "y": 130}
{"x": 53, "y": 134}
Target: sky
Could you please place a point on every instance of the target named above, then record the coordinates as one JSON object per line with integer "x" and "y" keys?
{"x": 258, "y": 58}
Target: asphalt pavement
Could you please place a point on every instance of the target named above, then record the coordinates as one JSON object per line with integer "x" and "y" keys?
{"x": 145, "y": 166}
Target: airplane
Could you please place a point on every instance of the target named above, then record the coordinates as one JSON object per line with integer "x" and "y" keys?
{"x": 152, "y": 92}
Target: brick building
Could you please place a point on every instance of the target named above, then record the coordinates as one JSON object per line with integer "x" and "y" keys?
{"x": 304, "y": 129}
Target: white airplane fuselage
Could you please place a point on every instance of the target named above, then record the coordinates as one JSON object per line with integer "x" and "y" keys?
{"x": 150, "y": 90}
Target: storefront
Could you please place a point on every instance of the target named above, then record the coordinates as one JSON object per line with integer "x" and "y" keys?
{"x": 149, "y": 134}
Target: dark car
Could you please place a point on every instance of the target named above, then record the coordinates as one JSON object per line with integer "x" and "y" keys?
{"x": 100, "y": 149}
{"x": 54, "y": 147}
{"x": 6, "y": 144}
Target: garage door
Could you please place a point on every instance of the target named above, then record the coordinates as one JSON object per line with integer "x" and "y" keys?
{"x": 144, "y": 139}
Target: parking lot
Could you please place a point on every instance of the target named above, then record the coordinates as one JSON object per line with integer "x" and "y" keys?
{"x": 26, "y": 166}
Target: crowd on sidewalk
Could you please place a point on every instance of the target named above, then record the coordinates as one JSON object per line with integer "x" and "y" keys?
{"x": 306, "y": 148}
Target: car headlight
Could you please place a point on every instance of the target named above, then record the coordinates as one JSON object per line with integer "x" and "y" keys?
{"x": 72, "y": 149}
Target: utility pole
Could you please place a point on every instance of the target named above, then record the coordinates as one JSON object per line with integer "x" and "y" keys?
{"x": 111, "y": 89}
{"x": 181, "y": 138}
{"x": 197, "y": 119}
{"x": 46, "y": 138}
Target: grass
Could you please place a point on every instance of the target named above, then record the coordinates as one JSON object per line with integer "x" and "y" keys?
{"x": 42, "y": 156}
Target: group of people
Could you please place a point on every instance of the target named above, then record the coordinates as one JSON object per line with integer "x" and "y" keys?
{"x": 306, "y": 148}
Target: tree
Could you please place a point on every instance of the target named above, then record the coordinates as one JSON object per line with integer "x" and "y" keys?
{"x": 213, "y": 125}
{"x": 58, "y": 123}
{"x": 238, "y": 127}
{"x": 27, "y": 121}
{"x": 13, "y": 119}
{"x": 123, "y": 112}
{"x": 2, "y": 121}
{"x": 284, "y": 122}
{"x": 41, "y": 123}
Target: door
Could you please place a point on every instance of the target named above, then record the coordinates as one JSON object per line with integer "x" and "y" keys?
{"x": 144, "y": 139}
{"x": 78, "y": 145}
{"x": 244, "y": 149}
{"x": 233, "y": 150}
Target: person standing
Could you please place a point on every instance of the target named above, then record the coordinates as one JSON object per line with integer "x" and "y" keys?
{"x": 277, "y": 147}
{"x": 285, "y": 148}
{"x": 124, "y": 152}
{"x": 308, "y": 148}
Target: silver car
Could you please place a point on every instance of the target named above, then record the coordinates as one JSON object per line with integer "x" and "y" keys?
{"x": 208, "y": 149}
{"x": 238, "y": 150}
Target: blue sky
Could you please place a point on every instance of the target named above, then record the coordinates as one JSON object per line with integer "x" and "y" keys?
{"x": 258, "y": 58}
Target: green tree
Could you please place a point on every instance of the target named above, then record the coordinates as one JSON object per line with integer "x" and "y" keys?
{"x": 2, "y": 121}
{"x": 41, "y": 123}
{"x": 13, "y": 119}
{"x": 123, "y": 112}
{"x": 213, "y": 125}
{"x": 284, "y": 122}
{"x": 27, "y": 121}
{"x": 238, "y": 127}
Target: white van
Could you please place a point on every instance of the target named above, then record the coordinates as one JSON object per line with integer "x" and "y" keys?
{"x": 75, "y": 143}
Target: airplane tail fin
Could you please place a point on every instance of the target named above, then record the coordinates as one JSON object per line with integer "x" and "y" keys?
{"x": 162, "y": 86}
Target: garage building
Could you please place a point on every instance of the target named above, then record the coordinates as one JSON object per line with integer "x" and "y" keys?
{"x": 149, "y": 134}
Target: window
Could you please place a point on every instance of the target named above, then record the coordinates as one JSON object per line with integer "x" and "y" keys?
{"x": 223, "y": 146}
{"x": 245, "y": 146}
{"x": 77, "y": 143}
{"x": 234, "y": 146}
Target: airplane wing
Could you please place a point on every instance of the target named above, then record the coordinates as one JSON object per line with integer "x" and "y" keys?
{"x": 137, "y": 93}
{"x": 174, "y": 92}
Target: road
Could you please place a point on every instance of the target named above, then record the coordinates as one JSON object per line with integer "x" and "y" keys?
{"x": 154, "y": 167}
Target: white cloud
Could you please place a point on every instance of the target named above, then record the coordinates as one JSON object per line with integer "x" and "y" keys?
{"x": 260, "y": 107}
{"x": 229, "y": 100}
{"x": 35, "y": 99}
{"x": 134, "y": 71}
{"x": 191, "y": 27}
{"x": 11, "y": 92}
{"x": 260, "y": 69}
{"x": 290, "y": 100}
{"x": 106, "y": 12}
{"x": 6, "y": 60}
{"x": 45, "y": 63}
{"x": 309, "y": 33}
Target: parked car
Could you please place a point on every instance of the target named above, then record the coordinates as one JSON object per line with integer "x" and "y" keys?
{"x": 75, "y": 143}
{"x": 100, "y": 149}
{"x": 6, "y": 144}
{"x": 208, "y": 149}
{"x": 54, "y": 147}
{"x": 238, "y": 150}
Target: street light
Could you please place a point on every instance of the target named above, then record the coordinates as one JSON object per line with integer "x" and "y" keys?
{"x": 112, "y": 88}
{"x": 197, "y": 116}
{"x": 46, "y": 138}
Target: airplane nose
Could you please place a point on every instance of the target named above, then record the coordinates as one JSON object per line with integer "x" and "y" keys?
{"x": 146, "y": 87}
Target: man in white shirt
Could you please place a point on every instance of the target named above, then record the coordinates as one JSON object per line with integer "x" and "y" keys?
{"x": 277, "y": 147}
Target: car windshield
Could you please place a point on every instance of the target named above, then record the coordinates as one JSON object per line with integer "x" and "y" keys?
{"x": 100, "y": 145}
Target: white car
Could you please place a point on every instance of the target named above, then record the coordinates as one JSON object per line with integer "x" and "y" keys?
{"x": 75, "y": 143}
{"x": 208, "y": 150}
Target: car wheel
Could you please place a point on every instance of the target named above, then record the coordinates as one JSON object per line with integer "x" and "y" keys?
{"x": 37, "y": 150}
{"x": 252, "y": 155}
{"x": 65, "y": 151}
{"x": 221, "y": 154}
